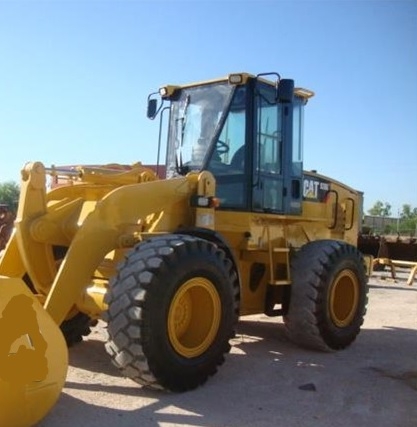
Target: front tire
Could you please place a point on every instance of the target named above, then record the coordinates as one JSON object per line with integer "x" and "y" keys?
{"x": 172, "y": 309}
{"x": 328, "y": 295}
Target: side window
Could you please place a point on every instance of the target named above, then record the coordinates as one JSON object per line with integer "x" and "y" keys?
{"x": 268, "y": 137}
{"x": 231, "y": 144}
{"x": 297, "y": 148}
{"x": 228, "y": 159}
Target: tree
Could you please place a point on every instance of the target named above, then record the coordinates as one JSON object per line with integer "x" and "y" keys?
{"x": 408, "y": 220}
{"x": 380, "y": 209}
{"x": 9, "y": 194}
{"x": 408, "y": 212}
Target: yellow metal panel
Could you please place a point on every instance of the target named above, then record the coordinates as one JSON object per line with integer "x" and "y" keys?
{"x": 11, "y": 263}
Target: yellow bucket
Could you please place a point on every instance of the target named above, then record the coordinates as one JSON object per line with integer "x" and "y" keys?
{"x": 33, "y": 357}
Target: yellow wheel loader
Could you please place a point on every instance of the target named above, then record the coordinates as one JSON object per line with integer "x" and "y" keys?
{"x": 170, "y": 257}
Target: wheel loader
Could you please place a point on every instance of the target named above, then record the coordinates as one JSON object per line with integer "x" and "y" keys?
{"x": 170, "y": 257}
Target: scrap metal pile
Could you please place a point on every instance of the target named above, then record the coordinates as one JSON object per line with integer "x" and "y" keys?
{"x": 392, "y": 252}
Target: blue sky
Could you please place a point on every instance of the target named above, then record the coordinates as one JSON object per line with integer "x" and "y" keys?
{"x": 75, "y": 75}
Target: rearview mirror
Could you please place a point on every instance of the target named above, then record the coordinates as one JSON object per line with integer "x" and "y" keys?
{"x": 286, "y": 90}
{"x": 152, "y": 106}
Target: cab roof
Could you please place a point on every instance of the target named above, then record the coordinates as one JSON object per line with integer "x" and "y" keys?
{"x": 236, "y": 79}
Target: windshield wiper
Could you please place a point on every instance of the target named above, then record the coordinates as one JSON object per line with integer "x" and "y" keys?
{"x": 179, "y": 166}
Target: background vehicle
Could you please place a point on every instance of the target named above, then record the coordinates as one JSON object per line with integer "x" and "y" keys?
{"x": 236, "y": 227}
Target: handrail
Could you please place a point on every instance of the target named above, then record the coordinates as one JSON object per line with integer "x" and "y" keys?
{"x": 352, "y": 214}
{"x": 333, "y": 226}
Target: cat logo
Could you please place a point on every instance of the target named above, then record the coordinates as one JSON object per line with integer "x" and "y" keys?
{"x": 315, "y": 189}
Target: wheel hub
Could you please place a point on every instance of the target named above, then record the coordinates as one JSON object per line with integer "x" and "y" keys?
{"x": 344, "y": 298}
{"x": 194, "y": 317}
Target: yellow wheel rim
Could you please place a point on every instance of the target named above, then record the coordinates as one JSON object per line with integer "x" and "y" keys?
{"x": 344, "y": 298}
{"x": 194, "y": 317}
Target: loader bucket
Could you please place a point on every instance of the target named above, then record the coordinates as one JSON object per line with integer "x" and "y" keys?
{"x": 33, "y": 356}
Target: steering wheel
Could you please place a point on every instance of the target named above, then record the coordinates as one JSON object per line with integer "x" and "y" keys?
{"x": 222, "y": 147}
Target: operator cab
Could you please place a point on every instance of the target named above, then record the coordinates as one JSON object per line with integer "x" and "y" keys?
{"x": 247, "y": 131}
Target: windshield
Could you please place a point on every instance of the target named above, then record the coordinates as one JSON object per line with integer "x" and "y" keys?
{"x": 194, "y": 121}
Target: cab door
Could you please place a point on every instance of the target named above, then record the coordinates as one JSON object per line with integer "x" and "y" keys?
{"x": 268, "y": 151}
{"x": 277, "y": 164}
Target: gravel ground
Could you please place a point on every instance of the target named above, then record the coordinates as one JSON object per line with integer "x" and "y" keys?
{"x": 267, "y": 380}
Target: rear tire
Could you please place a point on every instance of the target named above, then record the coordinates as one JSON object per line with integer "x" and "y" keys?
{"x": 172, "y": 309}
{"x": 328, "y": 295}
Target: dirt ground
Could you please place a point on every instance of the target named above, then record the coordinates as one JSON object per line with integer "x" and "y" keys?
{"x": 267, "y": 380}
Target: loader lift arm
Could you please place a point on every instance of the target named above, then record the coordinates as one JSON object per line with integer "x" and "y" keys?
{"x": 106, "y": 227}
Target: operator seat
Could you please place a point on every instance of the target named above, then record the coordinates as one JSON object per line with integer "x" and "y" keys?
{"x": 238, "y": 159}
